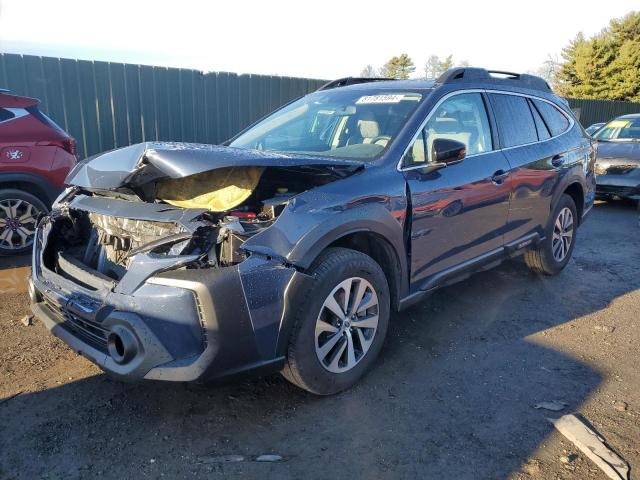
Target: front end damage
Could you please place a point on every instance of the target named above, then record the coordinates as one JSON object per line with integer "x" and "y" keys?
{"x": 147, "y": 287}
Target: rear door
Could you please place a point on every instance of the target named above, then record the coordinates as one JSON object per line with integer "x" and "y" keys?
{"x": 458, "y": 212}
{"x": 536, "y": 158}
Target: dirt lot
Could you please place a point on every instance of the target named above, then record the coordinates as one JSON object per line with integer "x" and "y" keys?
{"x": 451, "y": 396}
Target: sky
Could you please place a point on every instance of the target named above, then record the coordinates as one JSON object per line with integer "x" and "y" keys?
{"x": 327, "y": 39}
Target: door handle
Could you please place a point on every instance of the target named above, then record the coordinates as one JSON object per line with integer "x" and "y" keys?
{"x": 499, "y": 177}
{"x": 557, "y": 160}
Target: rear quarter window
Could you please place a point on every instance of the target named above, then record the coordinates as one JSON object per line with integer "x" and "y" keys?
{"x": 556, "y": 121}
{"x": 5, "y": 115}
{"x": 543, "y": 131}
{"x": 515, "y": 122}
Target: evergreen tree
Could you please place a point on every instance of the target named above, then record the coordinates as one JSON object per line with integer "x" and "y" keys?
{"x": 605, "y": 66}
{"x": 398, "y": 67}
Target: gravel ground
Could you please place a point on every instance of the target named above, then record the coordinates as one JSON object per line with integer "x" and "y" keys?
{"x": 450, "y": 397}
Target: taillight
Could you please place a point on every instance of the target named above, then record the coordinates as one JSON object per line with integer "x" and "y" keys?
{"x": 70, "y": 145}
{"x": 67, "y": 144}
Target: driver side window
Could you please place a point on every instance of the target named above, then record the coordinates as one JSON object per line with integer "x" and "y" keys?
{"x": 463, "y": 118}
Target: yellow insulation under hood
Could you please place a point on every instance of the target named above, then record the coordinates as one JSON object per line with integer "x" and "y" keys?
{"x": 216, "y": 190}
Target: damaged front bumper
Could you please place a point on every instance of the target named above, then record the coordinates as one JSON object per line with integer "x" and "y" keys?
{"x": 620, "y": 179}
{"x": 164, "y": 322}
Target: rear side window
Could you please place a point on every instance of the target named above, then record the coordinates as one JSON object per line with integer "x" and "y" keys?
{"x": 5, "y": 115}
{"x": 515, "y": 122}
{"x": 543, "y": 131}
{"x": 556, "y": 121}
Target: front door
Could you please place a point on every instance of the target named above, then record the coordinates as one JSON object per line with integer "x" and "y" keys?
{"x": 459, "y": 212}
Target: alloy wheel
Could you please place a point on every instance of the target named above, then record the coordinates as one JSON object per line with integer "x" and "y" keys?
{"x": 562, "y": 234}
{"x": 346, "y": 325}
{"x": 17, "y": 223}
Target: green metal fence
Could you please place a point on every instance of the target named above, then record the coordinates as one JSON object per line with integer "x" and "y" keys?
{"x": 108, "y": 105}
{"x": 594, "y": 111}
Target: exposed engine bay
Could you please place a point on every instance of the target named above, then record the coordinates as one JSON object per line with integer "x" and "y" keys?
{"x": 208, "y": 215}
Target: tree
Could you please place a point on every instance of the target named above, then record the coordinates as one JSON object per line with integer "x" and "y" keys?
{"x": 549, "y": 70}
{"x": 432, "y": 67}
{"x": 435, "y": 67}
{"x": 605, "y": 66}
{"x": 398, "y": 67}
{"x": 446, "y": 64}
{"x": 369, "y": 72}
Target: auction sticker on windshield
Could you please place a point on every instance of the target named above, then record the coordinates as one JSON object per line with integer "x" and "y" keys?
{"x": 396, "y": 98}
{"x": 618, "y": 124}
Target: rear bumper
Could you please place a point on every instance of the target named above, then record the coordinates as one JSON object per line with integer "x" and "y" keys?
{"x": 182, "y": 325}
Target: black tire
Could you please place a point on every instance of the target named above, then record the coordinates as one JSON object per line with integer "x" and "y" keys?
{"x": 28, "y": 199}
{"x": 541, "y": 259}
{"x": 303, "y": 367}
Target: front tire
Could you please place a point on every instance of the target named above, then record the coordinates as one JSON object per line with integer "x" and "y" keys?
{"x": 340, "y": 324}
{"x": 553, "y": 254}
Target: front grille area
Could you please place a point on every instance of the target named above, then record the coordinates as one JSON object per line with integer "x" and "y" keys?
{"x": 620, "y": 191}
{"x": 620, "y": 169}
{"x": 90, "y": 332}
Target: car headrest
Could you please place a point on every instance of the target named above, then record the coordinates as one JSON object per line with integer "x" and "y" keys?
{"x": 368, "y": 128}
{"x": 446, "y": 125}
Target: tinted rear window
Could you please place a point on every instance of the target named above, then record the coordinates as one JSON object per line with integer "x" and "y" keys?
{"x": 543, "y": 131}
{"x": 515, "y": 122}
{"x": 555, "y": 120}
{"x": 5, "y": 115}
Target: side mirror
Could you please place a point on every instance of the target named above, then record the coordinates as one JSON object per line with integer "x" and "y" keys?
{"x": 447, "y": 152}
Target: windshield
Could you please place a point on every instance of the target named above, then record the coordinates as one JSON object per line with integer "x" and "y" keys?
{"x": 620, "y": 129}
{"x": 335, "y": 123}
{"x": 593, "y": 128}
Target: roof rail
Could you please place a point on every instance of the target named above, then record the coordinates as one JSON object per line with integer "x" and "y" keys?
{"x": 4, "y": 90}
{"x": 343, "y": 82}
{"x": 499, "y": 77}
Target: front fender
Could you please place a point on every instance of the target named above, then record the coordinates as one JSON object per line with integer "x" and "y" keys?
{"x": 371, "y": 201}
{"x": 299, "y": 237}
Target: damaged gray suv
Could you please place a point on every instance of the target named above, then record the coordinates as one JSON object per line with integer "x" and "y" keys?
{"x": 288, "y": 247}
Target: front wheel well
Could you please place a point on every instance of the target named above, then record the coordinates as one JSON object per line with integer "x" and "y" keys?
{"x": 382, "y": 252}
{"x": 576, "y": 192}
{"x": 32, "y": 188}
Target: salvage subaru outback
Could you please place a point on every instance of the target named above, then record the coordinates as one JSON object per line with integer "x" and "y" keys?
{"x": 288, "y": 247}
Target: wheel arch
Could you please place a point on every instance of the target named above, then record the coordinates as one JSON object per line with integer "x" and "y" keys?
{"x": 576, "y": 192}
{"x": 383, "y": 253}
{"x": 30, "y": 183}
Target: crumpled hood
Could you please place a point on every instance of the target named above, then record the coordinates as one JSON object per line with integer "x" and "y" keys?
{"x": 145, "y": 162}
{"x": 621, "y": 152}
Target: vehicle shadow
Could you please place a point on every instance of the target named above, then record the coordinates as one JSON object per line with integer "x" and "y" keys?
{"x": 450, "y": 397}
{"x": 15, "y": 261}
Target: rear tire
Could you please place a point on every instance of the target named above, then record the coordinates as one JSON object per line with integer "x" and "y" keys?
{"x": 329, "y": 352}
{"x": 19, "y": 213}
{"x": 551, "y": 255}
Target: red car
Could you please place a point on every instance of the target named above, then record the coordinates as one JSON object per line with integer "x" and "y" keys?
{"x": 35, "y": 157}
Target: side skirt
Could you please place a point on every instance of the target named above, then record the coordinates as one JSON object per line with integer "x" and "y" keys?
{"x": 464, "y": 270}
